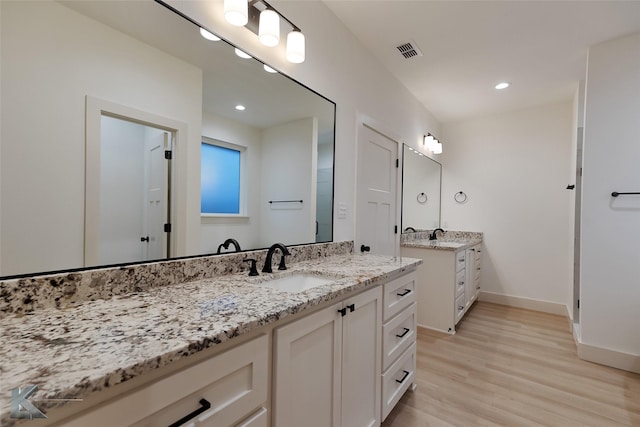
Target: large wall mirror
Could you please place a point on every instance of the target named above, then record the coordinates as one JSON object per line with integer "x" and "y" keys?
{"x": 98, "y": 95}
{"x": 421, "y": 184}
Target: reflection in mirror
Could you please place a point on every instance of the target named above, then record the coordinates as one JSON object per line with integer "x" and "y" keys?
{"x": 421, "y": 177}
{"x": 74, "y": 195}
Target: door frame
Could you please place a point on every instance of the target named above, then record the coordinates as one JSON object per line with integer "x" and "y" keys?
{"x": 95, "y": 108}
{"x": 374, "y": 125}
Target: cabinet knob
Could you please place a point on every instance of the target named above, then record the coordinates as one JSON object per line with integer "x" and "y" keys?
{"x": 343, "y": 311}
{"x": 351, "y": 308}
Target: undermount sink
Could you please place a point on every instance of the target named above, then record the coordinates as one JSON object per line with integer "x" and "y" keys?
{"x": 298, "y": 282}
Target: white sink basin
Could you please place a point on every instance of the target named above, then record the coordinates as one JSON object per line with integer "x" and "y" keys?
{"x": 298, "y": 282}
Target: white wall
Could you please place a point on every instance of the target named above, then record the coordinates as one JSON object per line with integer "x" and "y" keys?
{"x": 514, "y": 169}
{"x": 610, "y": 263}
{"x": 47, "y": 70}
{"x": 246, "y": 231}
{"x": 338, "y": 67}
{"x": 287, "y": 152}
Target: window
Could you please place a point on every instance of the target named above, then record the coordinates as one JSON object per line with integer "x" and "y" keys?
{"x": 221, "y": 174}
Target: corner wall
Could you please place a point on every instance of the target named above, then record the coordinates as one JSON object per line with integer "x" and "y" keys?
{"x": 514, "y": 169}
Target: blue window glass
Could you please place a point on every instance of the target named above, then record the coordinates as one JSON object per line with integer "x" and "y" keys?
{"x": 220, "y": 180}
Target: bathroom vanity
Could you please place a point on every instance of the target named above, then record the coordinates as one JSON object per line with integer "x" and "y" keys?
{"x": 449, "y": 280}
{"x": 224, "y": 350}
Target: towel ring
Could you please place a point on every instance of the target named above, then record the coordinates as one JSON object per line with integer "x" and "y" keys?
{"x": 460, "y": 197}
{"x": 422, "y": 198}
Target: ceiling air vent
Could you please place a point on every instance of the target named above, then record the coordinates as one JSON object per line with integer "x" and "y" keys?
{"x": 409, "y": 50}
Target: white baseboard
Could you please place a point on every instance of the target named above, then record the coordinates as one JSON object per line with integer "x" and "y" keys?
{"x": 528, "y": 303}
{"x": 603, "y": 356}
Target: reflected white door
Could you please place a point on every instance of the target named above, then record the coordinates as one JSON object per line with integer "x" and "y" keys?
{"x": 376, "y": 192}
{"x": 324, "y": 205}
{"x": 156, "y": 195}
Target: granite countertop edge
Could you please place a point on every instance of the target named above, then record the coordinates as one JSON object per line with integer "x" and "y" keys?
{"x": 441, "y": 245}
{"x": 77, "y": 351}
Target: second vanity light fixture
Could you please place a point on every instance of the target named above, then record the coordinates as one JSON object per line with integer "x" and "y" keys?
{"x": 432, "y": 144}
{"x": 264, "y": 20}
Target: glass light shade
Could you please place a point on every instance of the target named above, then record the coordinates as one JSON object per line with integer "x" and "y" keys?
{"x": 269, "y": 69}
{"x": 295, "y": 47}
{"x": 437, "y": 149}
{"x": 236, "y": 12}
{"x": 269, "y": 28}
{"x": 208, "y": 35}
{"x": 430, "y": 142}
{"x": 242, "y": 54}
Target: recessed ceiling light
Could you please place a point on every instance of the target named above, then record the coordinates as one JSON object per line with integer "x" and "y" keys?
{"x": 240, "y": 107}
{"x": 502, "y": 85}
{"x": 269, "y": 69}
{"x": 208, "y": 35}
{"x": 242, "y": 54}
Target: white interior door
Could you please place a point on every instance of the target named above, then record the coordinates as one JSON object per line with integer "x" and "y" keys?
{"x": 156, "y": 194}
{"x": 376, "y": 192}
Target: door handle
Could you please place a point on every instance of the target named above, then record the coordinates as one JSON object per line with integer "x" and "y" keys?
{"x": 364, "y": 248}
{"x": 144, "y": 239}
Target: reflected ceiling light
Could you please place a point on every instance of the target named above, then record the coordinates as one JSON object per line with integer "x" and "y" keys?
{"x": 269, "y": 28}
{"x": 269, "y": 69}
{"x": 243, "y": 54}
{"x": 208, "y": 35}
{"x": 295, "y": 46}
{"x": 236, "y": 12}
{"x": 502, "y": 85}
{"x": 240, "y": 107}
{"x": 264, "y": 20}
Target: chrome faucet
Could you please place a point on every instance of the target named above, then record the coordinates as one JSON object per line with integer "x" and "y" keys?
{"x": 270, "y": 252}
{"x": 434, "y": 236}
{"x": 228, "y": 242}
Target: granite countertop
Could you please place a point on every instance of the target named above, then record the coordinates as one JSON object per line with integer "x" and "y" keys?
{"x": 72, "y": 352}
{"x": 445, "y": 245}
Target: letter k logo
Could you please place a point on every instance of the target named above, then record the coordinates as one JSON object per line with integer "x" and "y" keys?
{"x": 20, "y": 405}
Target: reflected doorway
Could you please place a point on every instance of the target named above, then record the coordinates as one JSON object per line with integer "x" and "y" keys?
{"x": 134, "y": 182}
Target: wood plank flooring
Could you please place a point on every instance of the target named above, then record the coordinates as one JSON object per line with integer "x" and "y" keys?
{"x": 507, "y": 366}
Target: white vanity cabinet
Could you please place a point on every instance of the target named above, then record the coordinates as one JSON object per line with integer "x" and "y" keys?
{"x": 448, "y": 283}
{"x": 327, "y": 366}
{"x": 229, "y": 389}
{"x": 398, "y": 340}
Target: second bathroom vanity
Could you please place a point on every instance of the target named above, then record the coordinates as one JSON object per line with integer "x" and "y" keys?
{"x": 449, "y": 279}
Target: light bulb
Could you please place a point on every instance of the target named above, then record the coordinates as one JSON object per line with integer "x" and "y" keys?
{"x": 268, "y": 69}
{"x": 295, "y": 47}
{"x": 269, "y": 28}
{"x": 437, "y": 149}
{"x": 243, "y": 54}
{"x": 236, "y": 12}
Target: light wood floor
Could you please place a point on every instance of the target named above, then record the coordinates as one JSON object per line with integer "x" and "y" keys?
{"x": 512, "y": 367}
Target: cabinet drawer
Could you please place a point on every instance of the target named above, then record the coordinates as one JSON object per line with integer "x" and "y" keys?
{"x": 258, "y": 419}
{"x": 460, "y": 282}
{"x": 461, "y": 260}
{"x": 397, "y": 379}
{"x": 398, "y": 334}
{"x": 460, "y": 306}
{"x": 233, "y": 382}
{"x": 398, "y": 294}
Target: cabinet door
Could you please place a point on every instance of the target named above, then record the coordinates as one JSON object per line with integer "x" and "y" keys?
{"x": 361, "y": 352}
{"x": 307, "y": 371}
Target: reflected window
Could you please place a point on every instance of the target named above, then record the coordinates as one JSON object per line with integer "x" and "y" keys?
{"x": 221, "y": 178}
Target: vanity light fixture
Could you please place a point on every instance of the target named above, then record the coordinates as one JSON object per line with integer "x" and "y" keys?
{"x": 432, "y": 144}
{"x": 264, "y": 20}
{"x": 502, "y": 85}
{"x": 236, "y": 12}
{"x": 242, "y": 54}
{"x": 269, "y": 28}
{"x": 209, "y": 35}
{"x": 437, "y": 149}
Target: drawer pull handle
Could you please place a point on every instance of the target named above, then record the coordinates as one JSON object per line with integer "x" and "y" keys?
{"x": 406, "y": 291}
{"x": 404, "y": 377}
{"x": 478, "y": 287}
{"x": 460, "y": 283}
{"x": 461, "y": 307}
{"x": 351, "y": 308}
{"x": 343, "y": 311}
{"x": 406, "y": 331}
{"x": 204, "y": 406}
